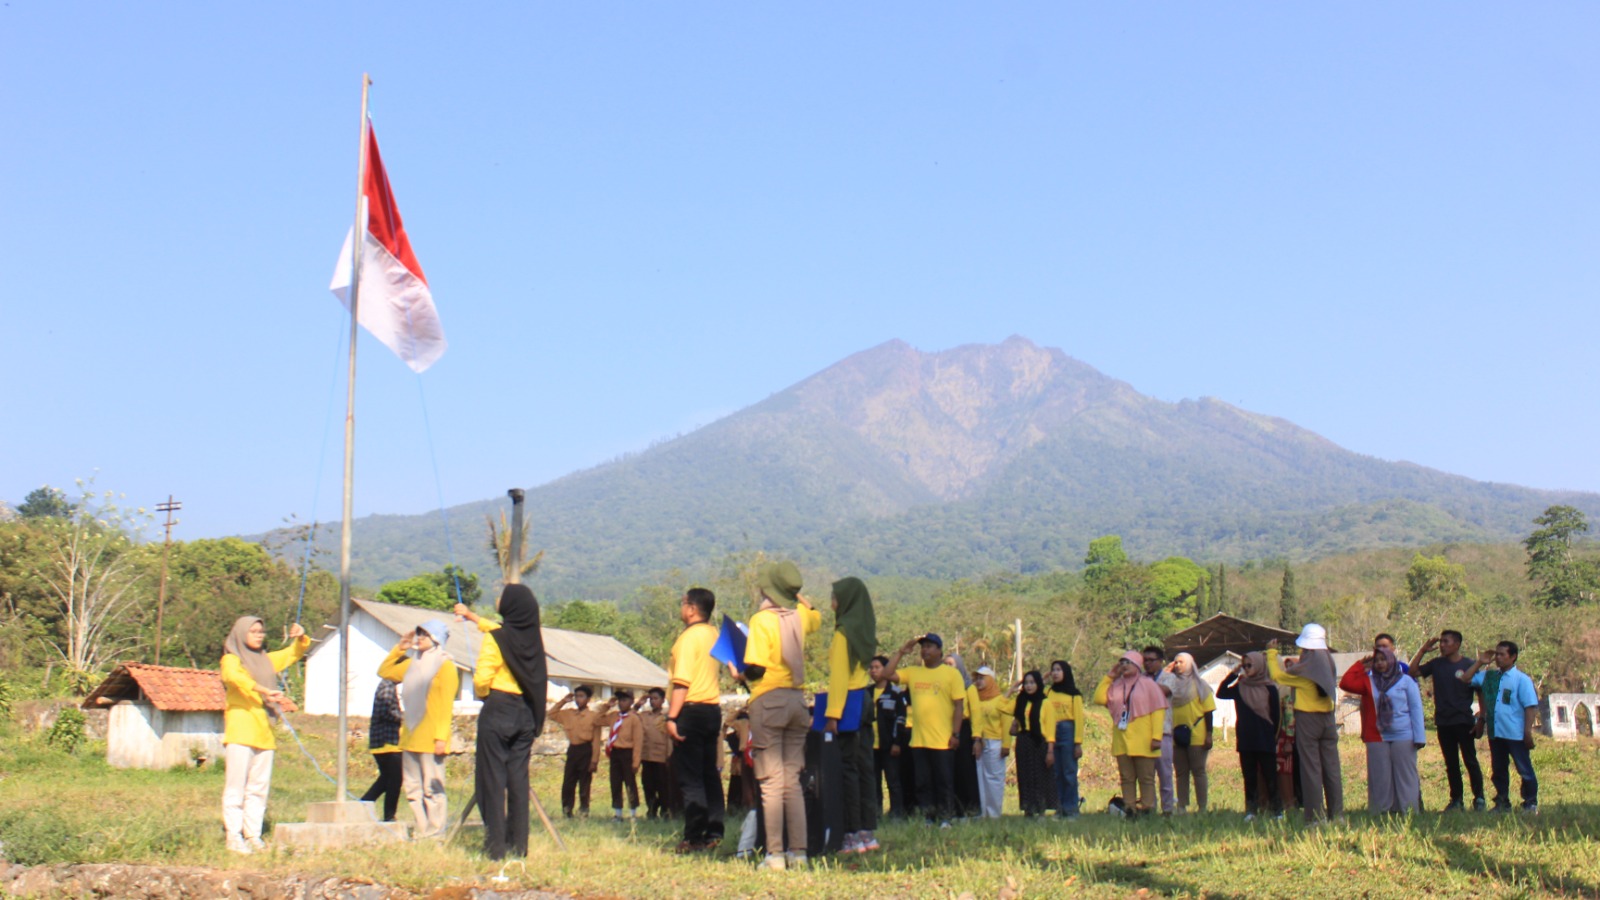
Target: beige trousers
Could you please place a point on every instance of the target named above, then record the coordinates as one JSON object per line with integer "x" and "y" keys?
{"x": 422, "y": 775}
{"x": 1138, "y": 776}
{"x": 247, "y": 774}
{"x": 778, "y": 725}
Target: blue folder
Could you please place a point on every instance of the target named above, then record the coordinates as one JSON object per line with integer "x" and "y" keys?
{"x": 729, "y": 647}
{"x": 849, "y": 717}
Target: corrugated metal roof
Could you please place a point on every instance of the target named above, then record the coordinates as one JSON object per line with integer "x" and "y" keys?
{"x": 570, "y": 655}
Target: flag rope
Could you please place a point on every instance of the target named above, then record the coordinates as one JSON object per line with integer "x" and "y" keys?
{"x": 322, "y": 456}
{"x": 438, "y": 486}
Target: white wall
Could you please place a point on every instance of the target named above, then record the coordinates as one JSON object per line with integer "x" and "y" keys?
{"x": 139, "y": 736}
{"x": 370, "y": 642}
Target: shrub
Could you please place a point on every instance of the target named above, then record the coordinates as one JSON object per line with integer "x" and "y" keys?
{"x": 68, "y": 731}
{"x": 38, "y": 836}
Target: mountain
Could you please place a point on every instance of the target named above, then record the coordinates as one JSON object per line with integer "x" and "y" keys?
{"x": 962, "y": 462}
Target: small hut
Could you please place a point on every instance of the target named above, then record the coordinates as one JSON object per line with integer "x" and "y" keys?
{"x": 1225, "y": 634}
{"x": 160, "y": 716}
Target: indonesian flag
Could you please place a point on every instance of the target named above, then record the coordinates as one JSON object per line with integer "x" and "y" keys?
{"x": 396, "y": 306}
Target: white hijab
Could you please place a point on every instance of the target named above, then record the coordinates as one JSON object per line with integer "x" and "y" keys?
{"x": 418, "y": 681}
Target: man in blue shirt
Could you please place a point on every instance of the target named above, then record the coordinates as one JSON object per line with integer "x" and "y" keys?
{"x": 1507, "y": 701}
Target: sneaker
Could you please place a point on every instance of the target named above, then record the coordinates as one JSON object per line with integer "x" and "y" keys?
{"x": 1249, "y": 817}
{"x": 1531, "y": 808}
{"x": 238, "y": 845}
{"x": 1500, "y": 806}
{"x": 868, "y": 845}
{"x": 1454, "y": 806}
{"x": 257, "y": 844}
{"x": 1479, "y": 804}
{"x": 852, "y": 844}
{"x": 774, "y": 863}
{"x": 796, "y": 859}
{"x": 944, "y": 825}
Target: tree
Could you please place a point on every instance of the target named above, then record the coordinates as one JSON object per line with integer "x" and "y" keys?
{"x": 46, "y": 502}
{"x": 433, "y": 590}
{"x": 500, "y": 546}
{"x": 1219, "y": 588}
{"x": 1288, "y": 602}
{"x": 89, "y": 571}
{"x": 1105, "y": 554}
{"x": 1564, "y": 580}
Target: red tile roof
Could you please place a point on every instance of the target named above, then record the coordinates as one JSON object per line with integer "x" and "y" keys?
{"x": 165, "y": 687}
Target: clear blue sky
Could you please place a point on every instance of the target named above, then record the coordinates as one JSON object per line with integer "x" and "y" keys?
{"x": 1380, "y": 222}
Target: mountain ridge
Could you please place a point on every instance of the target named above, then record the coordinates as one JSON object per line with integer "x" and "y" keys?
{"x": 961, "y": 462}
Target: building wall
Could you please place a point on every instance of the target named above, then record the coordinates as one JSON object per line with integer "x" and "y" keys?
{"x": 139, "y": 736}
{"x": 370, "y": 642}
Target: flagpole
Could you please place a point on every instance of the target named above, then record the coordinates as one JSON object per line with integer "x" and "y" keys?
{"x": 357, "y": 239}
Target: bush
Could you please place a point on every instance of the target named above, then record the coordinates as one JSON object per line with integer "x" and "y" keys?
{"x": 39, "y": 836}
{"x": 68, "y": 731}
{"x": 5, "y": 701}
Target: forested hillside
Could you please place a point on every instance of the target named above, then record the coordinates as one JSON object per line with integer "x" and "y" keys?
{"x": 980, "y": 459}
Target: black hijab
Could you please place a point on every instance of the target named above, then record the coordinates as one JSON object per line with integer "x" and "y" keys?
{"x": 1029, "y": 706}
{"x": 522, "y": 647}
{"x": 1068, "y": 684}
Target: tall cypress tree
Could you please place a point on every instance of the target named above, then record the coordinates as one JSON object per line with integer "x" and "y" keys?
{"x": 1219, "y": 594}
{"x": 1288, "y": 602}
{"x": 1202, "y": 599}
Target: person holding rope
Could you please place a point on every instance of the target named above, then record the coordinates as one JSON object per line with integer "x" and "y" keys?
{"x": 512, "y": 679}
{"x": 428, "y": 686}
{"x": 250, "y": 678}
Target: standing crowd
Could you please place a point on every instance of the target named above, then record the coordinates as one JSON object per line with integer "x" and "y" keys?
{"x": 913, "y": 730}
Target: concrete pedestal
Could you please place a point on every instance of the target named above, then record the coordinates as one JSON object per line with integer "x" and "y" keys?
{"x": 337, "y": 824}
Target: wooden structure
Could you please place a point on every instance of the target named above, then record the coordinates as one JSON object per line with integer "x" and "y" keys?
{"x": 1225, "y": 634}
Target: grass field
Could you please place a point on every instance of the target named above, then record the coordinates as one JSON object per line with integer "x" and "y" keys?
{"x": 60, "y": 808}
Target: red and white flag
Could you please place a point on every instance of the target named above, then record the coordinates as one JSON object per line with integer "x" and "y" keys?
{"x": 396, "y": 306}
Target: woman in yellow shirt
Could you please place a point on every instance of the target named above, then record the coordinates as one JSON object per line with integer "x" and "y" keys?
{"x": 250, "y": 679}
{"x": 1138, "y": 717}
{"x": 512, "y": 678}
{"x": 991, "y": 733}
{"x": 428, "y": 686}
{"x": 1192, "y": 706}
{"x": 1063, "y": 729}
{"x": 1027, "y": 725}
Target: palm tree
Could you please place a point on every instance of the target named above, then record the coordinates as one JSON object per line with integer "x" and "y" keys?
{"x": 500, "y": 546}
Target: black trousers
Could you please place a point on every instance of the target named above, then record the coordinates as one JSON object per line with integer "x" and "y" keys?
{"x": 505, "y": 739}
{"x": 700, "y": 726}
{"x": 966, "y": 774}
{"x": 1260, "y": 770}
{"x": 936, "y": 782}
{"x": 860, "y": 800}
{"x": 888, "y": 772}
{"x": 388, "y": 784}
{"x": 622, "y": 777}
{"x": 576, "y": 777}
{"x": 653, "y": 778}
{"x": 1458, "y": 746}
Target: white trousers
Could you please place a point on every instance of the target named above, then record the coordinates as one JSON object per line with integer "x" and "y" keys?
{"x": 422, "y": 776}
{"x": 991, "y": 779}
{"x": 247, "y": 775}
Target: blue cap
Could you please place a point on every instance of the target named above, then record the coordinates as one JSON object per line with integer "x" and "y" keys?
{"x": 931, "y": 638}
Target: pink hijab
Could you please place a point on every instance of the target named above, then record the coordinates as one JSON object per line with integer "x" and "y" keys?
{"x": 1137, "y": 694}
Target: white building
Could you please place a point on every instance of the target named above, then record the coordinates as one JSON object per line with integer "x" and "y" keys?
{"x": 573, "y": 658}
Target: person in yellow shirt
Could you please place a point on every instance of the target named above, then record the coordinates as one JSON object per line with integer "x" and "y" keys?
{"x": 512, "y": 679}
{"x": 855, "y": 640}
{"x": 779, "y": 720}
{"x": 694, "y": 722}
{"x": 1063, "y": 729}
{"x": 991, "y": 743}
{"x": 1138, "y": 716}
{"x": 938, "y": 698}
{"x": 428, "y": 687}
{"x": 250, "y": 679}
{"x": 1192, "y": 706}
{"x": 1316, "y": 731}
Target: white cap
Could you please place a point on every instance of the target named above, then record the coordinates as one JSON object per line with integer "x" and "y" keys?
{"x": 1312, "y": 637}
{"x": 985, "y": 670}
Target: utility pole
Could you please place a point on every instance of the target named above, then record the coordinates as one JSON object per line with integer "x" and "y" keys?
{"x": 169, "y": 507}
{"x": 514, "y": 552}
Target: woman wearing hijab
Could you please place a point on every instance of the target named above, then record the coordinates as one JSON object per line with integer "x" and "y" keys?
{"x": 250, "y": 677}
{"x": 1391, "y": 730}
{"x": 1192, "y": 706}
{"x": 512, "y": 680}
{"x": 1063, "y": 711}
{"x": 1255, "y": 703}
{"x": 1027, "y": 726}
{"x": 428, "y": 686}
{"x": 855, "y": 642}
{"x": 1316, "y": 732}
{"x": 1138, "y": 717}
{"x": 991, "y": 740}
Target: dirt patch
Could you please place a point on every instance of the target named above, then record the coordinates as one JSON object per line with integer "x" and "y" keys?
{"x": 191, "y": 883}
